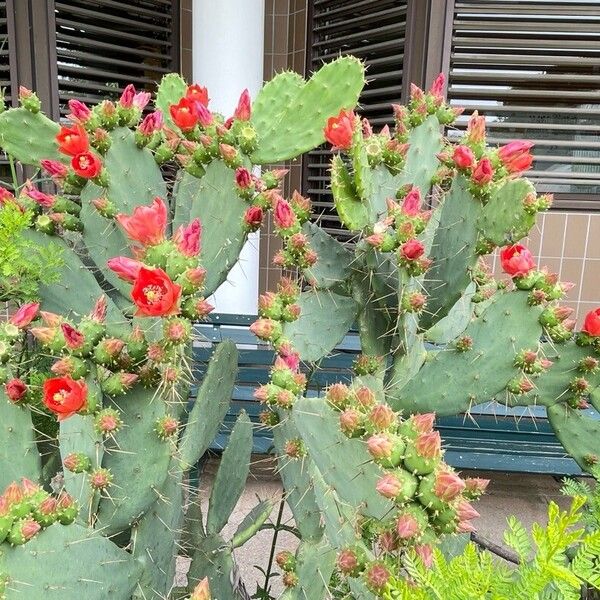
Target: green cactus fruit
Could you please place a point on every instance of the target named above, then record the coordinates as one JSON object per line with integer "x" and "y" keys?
{"x": 427, "y": 497}
{"x": 415, "y": 463}
{"x": 289, "y": 115}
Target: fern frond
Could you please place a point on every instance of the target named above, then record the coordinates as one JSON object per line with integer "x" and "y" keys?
{"x": 516, "y": 537}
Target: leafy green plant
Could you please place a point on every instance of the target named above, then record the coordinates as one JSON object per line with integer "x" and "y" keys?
{"x": 24, "y": 265}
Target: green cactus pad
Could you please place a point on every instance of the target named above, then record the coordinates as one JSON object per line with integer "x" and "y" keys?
{"x": 453, "y": 252}
{"x": 455, "y": 322}
{"x": 137, "y": 459}
{"x": 352, "y": 211}
{"x": 214, "y": 200}
{"x": 78, "y": 434}
{"x": 252, "y": 523}
{"x": 334, "y": 263}
{"x": 314, "y": 565}
{"x": 19, "y": 455}
{"x": 292, "y": 123}
{"x": 211, "y": 404}
{"x": 171, "y": 90}
{"x": 39, "y": 569}
{"x": 156, "y": 538}
{"x": 454, "y": 381}
{"x": 29, "y": 137}
{"x": 296, "y": 478}
{"x": 335, "y": 456}
{"x": 503, "y": 220}
{"x": 212, "y": 558}
{"x": 231, "y": 476}
{"x": 134, "y": 180}
{"x": 579, "y": 434}
{"x": 324, "y": 320}
{"x": 77, "y": 290}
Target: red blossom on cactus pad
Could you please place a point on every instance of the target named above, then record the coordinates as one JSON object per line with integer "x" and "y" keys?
{"x": 73, "y": 140}
{"x": 517, "y": 260}
{"x": 64, "y": 396}
{"x": 155, "y": 294}
{"x": 339, "y": 130}
{"x": 147, "y": 224}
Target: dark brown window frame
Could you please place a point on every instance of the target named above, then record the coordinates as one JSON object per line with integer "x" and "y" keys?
{"x": 427, "y": 51}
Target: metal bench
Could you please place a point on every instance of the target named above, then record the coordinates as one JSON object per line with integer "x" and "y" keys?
{"x": 492, "y": 437}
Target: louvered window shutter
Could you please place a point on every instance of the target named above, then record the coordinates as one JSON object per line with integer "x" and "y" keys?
{"x": 533, "y": 68}
{"x": 374, "y": 31}
{"x": 102, "y": 45}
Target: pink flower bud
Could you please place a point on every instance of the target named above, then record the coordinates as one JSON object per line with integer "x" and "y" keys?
{"x": 98, "y": 313}
{"x": 423, "y": 423}
{"x": 407, "y": 526}
{"x": 80, "y": 112}
{"x": 141, "y": 99}
{"x": 483, "y": 172}
{"x": 377, "y": 575}
{"x": 13, "y": 494}
{"x": 203, "y": 308}
{"x": 380, "y": 446}
{"x": 73, "y": 339}
{"x": 205, "y": 118}
{"x": 15, "y": 389}
{"x": 63, "y": 367}
{"x": 438, "y": 86}
{"x": 29, "y": 528}
{"x": 429, "y": 445}
{"x": 44, "y": 200}
{"x": 151, "y": 123}
{"x": 463, "y": 157}
{"x": 196, "y": 276}
{"x": 465, "y": 511}
{"x": 25, "y": 314}
{"x": 48, "y": 506}
{"x": 290, "y": 357}
{"x": 263, "y": 328}
{"x": 187, "y": 238}
{"x": 476, "y": 128}
{"x": 411, "y": 204}
{"x": 515, "y": 156}
{"x": 416, "y": 93}
{"x": 448, "y": 485}
{"x": 54, "y": 168}
{"x": 389, "y": 486}
{"x": 44, "y": 334}
{"x": 476, "y": 486}
{"x": 253, "y": 217}
{"x": 243, "y": 110}
{"x": 425, "y": 553}
{"x": 338, "y": 394}
{"x": 126, "y": 100}
{"x": 412, "y": 250}
{"x": 465, "y": 527}
{"x": 227, "y": 152}
{"x": 382, "y": 416}
{"x": 365, "y": 397}
{"x": 125, "y": 268}
{"x": 112, "y": 346}
{"x": 347, "y": 561}
{"x": 243, "y": 177}
{"x": 201, "y": 591}
{"x": 283, "y": 214}
{"x": 350, "y": 421}
{"x": 376, "y": 240}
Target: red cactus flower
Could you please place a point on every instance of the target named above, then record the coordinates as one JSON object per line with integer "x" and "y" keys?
{"x": 45, "y": 200}
{"x": 15, "y": 389}
{"x": 64, "y": 396}
{"x": 155, "y": 294}
{"x": 197, "y": 93}
{"x": 73, "y": 140}
{"x": 87, "y": 165}
{"x": 243, "y": 110}
{"x": 25, "y": 314}
{"x": 516, "y": 156}
{"x": 187, "y": 238}
{"x": 463, "y": 157}
{"x": 591, "y": 324}
{"x": 184, "y": 114}
{"x": 339, "y": 130}
{"x": 483, "y": 172}
{"x": 147, "y": 224}
{"x": 517, "y": 260}
{"x": 74, "y": 339}
{"x": 126, "y": 268}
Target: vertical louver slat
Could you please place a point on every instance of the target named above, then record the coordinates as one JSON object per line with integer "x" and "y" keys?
{"x": 374, "y": 31}
{"x": 102, "y": 45}
{"x": 533, "y": 68}
{"x": 7, "y": 86}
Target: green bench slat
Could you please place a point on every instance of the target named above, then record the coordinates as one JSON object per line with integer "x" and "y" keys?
{"x": 493, "y": 437}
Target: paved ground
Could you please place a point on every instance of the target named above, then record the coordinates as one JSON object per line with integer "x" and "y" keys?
{"x": 525, "y": 496}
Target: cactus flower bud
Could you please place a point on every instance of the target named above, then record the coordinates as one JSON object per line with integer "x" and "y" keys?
{"x": 448, "y": 486}
{"x": 177, "y": 331}
{"x": 338, "y": 395}
{"x": 517, "y": 260}
{"x": 377, "y": 575}
{"x": 15, "y": 390}
{"x": 266, "y": 329}
{"x": 407, "y": 526}
{"x": 429, "y": 445}
{"x": 253, "y": 218}
{"x": 243, "y": 110}
{"x": 476, "y": 128}
{"x": 463, "y": 157}
{"x": 201, "y": 591}
{"x": 187, "y": 239}
{"x": 283, "y": 215}
{"x": 70, "y": 366}
{"x": 425, "y": 553}
{"x": 25, "y": 314}
{"x": 389, "y": 486}
{"x": 54, "y": 168}
{"x": 290, "y": 579}
{"x": 285, "y": 560}
{"x": 166, "y": 427}
{"x": 350, "y": 561}
{"x": 465, "y": 511}
{"x": 108, "y": 421}
{"x": 23, "y": 530}
{"x": 74, "y": 339}
{"x": 46, "y": 512}
{"x": 294, "y": 448}
{"x": 77, "y": 462}
{"x": 152, "y": 122}
{"x": 483, "y": 172}
{"x": 382, "y": 416}
{"x": 67, "y": 508}
{"x": 350, "y": 422}
{"x": 423, "y": 423}
{"x": 412, "y": 250}
{"x": 365, "y": 396}
{"x": 100, "y": 479}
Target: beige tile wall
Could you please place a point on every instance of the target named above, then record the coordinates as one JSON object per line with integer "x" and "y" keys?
{"x": 568, "y": 243}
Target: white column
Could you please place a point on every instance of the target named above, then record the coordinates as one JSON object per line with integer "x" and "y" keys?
{"x": 228, "y": 49}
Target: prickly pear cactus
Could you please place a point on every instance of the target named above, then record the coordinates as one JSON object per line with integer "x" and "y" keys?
{"x": 439, "y": 334}
{"x": 149, "y": 207}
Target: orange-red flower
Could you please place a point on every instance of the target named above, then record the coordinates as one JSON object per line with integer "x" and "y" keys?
{"x": 243, "y": 110}
{"x": 154, "y": 294}
{"x": 147, "y": 224}
{"x": 591, "y": 325}
{"x": 87, "y": 165}
{"x": 184, "y": 114}
{"x": 64, "y": 396}
{"x": 197, "y": 93}
{"x": 73, "y": 140}
{"x": 339, "y": 130}
{"x": 517, "y": 260}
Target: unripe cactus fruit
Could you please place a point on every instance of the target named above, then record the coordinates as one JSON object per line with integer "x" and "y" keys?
{"x": 77, "y": 462}
{"x": 398, "y": 485}
{"x": 108, "y": 421}
{"x": 100, "y": 479}
{"x": 285, "y": 560}
{"x": 23, "y": 530}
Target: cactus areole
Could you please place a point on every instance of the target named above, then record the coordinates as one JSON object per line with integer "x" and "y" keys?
{"x": 96, "y": 371}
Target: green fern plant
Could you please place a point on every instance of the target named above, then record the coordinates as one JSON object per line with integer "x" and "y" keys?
{"x": 547, "y": 569}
